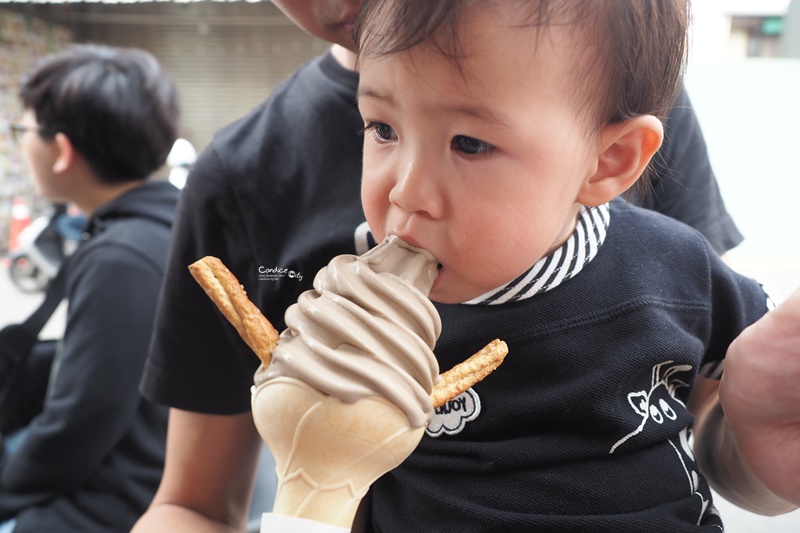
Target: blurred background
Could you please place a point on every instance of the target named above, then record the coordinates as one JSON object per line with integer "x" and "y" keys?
{"x": 743, "y": 79}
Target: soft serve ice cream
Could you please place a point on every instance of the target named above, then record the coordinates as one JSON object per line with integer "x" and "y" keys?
{"x": 367, "y": 329}
{"x": 346, "y": 396}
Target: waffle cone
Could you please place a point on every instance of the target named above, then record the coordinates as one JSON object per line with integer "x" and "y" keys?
{"x": 328, "y": 452}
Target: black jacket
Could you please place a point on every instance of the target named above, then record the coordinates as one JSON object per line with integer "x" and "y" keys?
{"x": 93, "y": 459}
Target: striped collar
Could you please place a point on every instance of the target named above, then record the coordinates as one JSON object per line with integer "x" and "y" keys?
{"x": 564, "y": 263}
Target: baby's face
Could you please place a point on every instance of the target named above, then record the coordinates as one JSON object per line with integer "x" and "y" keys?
{"x": 482, "y": 166}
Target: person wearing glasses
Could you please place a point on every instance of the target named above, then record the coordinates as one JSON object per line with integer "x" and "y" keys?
{"x": 97, "y": 122}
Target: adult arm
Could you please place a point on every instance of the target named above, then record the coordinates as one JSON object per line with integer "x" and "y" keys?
{"x": 200, "y": 367}
{"x": 747, "y": 430}
{"x": 208, "y": 475}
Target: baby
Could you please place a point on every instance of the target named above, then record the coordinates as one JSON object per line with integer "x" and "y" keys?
{"x": 498, "y": 136}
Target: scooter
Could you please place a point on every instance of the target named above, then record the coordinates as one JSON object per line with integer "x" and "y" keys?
{"x": 41, "y": 250}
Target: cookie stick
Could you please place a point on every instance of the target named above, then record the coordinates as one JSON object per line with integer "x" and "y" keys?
{"x": 469, "y": 372}
{"x": 227, "y": 293}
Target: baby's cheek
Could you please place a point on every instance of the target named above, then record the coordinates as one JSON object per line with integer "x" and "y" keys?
{"x": 374, "y": 205}
{"x": 376, "y": 220}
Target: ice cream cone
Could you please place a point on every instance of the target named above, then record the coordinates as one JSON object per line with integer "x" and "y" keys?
{"x": 328, "y": 452}
{"x": 343, "y": 395}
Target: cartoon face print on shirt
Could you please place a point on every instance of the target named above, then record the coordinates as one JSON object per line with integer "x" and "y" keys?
{"x": 657, "y": 404}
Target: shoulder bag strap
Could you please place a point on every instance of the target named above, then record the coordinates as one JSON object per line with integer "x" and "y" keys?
{"x": 55, "y": 293}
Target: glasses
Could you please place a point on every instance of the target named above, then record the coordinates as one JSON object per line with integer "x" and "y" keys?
{"x": 18, "y": 130}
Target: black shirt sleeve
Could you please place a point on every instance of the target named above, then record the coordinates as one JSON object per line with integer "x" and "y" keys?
{"x": 196, "y": 356}
{"x": 682, "y": 183}
{"x": 275, "y": 197}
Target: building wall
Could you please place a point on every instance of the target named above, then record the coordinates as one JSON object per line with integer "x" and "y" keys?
{"x": 225, "y": 57}
{"x": 22, "y": 40}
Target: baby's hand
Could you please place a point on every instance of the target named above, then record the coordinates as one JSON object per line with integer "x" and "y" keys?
{"x": 760, "y": 394}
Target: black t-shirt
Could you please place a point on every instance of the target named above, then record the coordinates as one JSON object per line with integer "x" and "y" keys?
{"x": 584, "y": 427}
{"x": 276, "y": 196}
{"x": 682, "y": 184}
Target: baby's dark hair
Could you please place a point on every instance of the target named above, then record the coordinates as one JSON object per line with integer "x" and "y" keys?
{"x": 633, "y": 65}
{"x": 117, "y": 106}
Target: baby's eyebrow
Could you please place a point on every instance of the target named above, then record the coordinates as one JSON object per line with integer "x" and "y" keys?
{"x": 366, "y": 92}
{"x": 481, "y": 112}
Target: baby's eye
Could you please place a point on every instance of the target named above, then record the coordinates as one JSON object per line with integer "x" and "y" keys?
{"x": 470, "y": 146}
{"x": 383, "y": 132}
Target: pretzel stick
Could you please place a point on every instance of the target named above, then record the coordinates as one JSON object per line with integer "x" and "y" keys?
{"x": 227, "y": 293}
{"x": 229, "y": 296}
{"x": 466, "y": 374}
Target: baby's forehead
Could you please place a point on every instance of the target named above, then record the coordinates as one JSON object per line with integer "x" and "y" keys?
{"x": 460, "y": 34}
{"x": 394, "y": 25}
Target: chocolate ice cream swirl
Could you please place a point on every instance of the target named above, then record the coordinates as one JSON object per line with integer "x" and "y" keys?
{"x": 367, "y": 329}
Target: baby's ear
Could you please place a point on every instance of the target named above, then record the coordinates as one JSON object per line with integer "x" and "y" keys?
{"x": 625, "y": 150}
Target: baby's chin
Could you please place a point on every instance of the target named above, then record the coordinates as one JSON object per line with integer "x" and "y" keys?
{"x": 446, "y": 291}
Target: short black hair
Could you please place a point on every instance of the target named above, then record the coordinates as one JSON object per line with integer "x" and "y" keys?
{"x": 118, "y": 107}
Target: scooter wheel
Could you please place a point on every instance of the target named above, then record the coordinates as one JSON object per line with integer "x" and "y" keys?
{"x": 26, "y": 276}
